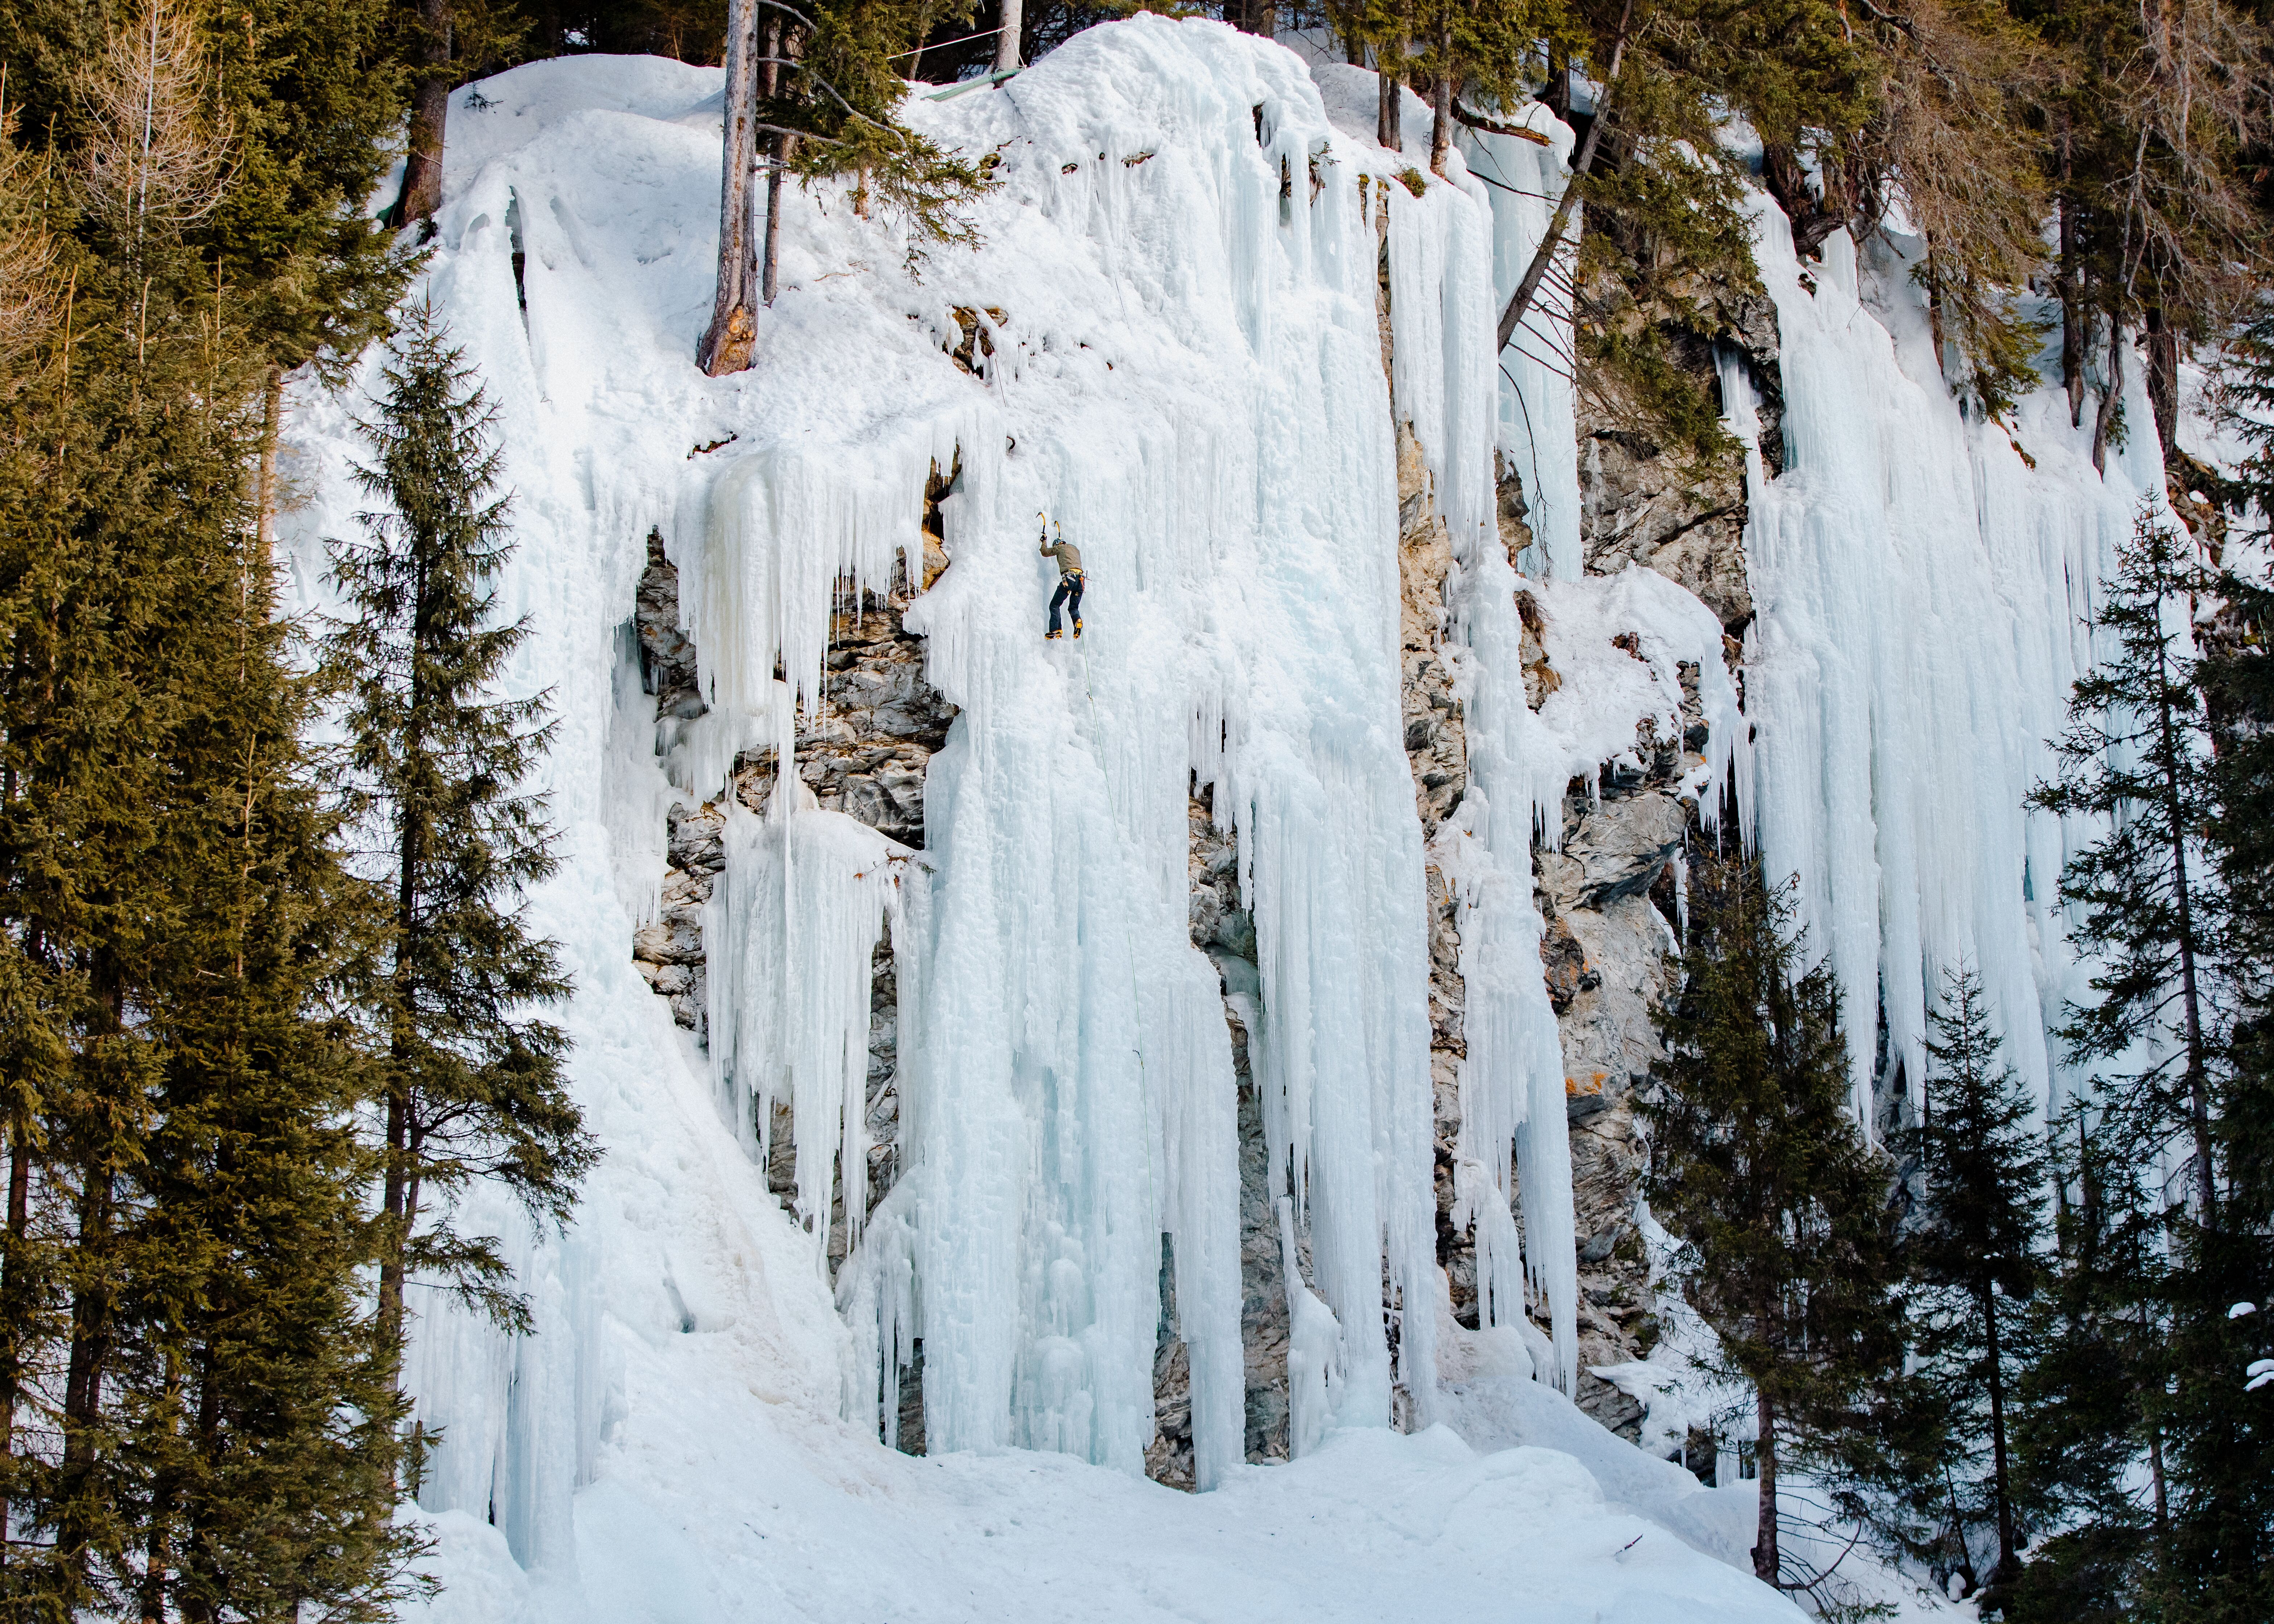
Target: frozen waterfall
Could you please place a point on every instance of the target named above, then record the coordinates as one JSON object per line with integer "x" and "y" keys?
{"x": 1182, "y": 289}
{"x": 1921, "y": 579}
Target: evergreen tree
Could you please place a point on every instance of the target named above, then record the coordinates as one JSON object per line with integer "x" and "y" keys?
{"x": 2087, "y": 1433}
{"x": 1779, "y": 1206}
{"x": 690, "y": 30}
{"x": 260, "y": 1408}
{"x": 2171, "y": 748}
{"x": 2218, "y": 1565}
{"x": 193, "y": 1418}
{"x": 2137, "y": 755}
{"x": 1968, "y": 1252}
{"x": 2152, "y": 123}
{"x": 470, "y": 1084}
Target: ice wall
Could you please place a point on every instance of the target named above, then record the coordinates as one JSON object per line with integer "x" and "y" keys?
{"x": 1922, "y": 578}
{"x": 1189, "y": 346}
{"x": 1180, "y": 289}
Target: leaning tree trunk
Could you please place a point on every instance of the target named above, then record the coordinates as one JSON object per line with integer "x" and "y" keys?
{"x": 1511, "y": 314}
{"x": 430, "y": 108}
{"x": 726, "y": 341}
{"x": 1006, "y": 39}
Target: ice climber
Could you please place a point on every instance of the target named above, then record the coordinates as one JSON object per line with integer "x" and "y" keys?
{"x": 1070, "y": 578}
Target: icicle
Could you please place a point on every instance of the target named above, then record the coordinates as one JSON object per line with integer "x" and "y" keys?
{"x": 1917, "y": 583}
{"x": 1315, "y": 1383}
{"x": 787, "y": 937}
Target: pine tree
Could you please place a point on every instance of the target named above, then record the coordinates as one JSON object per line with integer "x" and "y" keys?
{"x": 1968, "y": 1252}
{"x": 187, "y": 1354}
{"x": 1779, "y": 1206}
{"x": 2137, "y": 755}
{"x": 471, "y": 1086}
{"x": 2087, "y": 1433}
{"x": 2153, "y": 120}
{"x": 2176, "y": 897}
{"x": 260, "y": 1404}
{"x": 2219, "y": 1563}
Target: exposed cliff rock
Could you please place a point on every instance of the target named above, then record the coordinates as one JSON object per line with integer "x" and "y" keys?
{"x": 862, "y": 751}
{"x": 1644, "y": 503}
{"x": 1225, "y": 930}
{"x": 1611, "y": 895}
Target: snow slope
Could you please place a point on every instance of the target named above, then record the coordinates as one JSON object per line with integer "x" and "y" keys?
{"x": 1179, "y": 283}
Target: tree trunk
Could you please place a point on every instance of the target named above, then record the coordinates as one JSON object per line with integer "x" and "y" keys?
{"x": 13, "y": 1269}
{"x": 1557, "y": 92}
{"x": 1007, "y": 42}
{"x": 1934, "y": 316}
{"x": 2164, "y": 379}
{"x": 2110, "y": 395}
{"x": 399, "y": 1187}
{"x": 1766, "y": 1567}
{"x": 771, "y": 274}
{"x": 1441, "y": 125}
{"x": 196, "y": 1608}
{"x": 2010, "y": 1559}
{"x": 1559, "y": 222}
{"x": 1388, "y": 62}
{"x": 158, "y": 1557}
{"x": 430, "y": 108}
{"x": 2190, "y": 998}
{"x": 2067, "y": 285}
{"x": 726, "y": 341}
{"x": 2156, "y": 1479}
{"x": 778, "y": 151}
{"x": 272, "y": 416}
{"x": 394, "y": 1189}
{"x": 90, "y": 1349}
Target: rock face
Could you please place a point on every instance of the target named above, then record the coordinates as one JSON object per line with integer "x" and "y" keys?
{"x": 1641, "y": 503}
{"x": 1611, "y": 895}
{"x": 1437, "y": 751}
{"x": 1224, "y": 930}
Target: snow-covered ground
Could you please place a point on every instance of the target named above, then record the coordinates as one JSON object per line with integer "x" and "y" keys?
{"x": 1178, "y": 285}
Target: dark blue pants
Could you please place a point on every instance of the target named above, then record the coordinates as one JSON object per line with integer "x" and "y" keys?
{"x": 1069, "y": 593}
